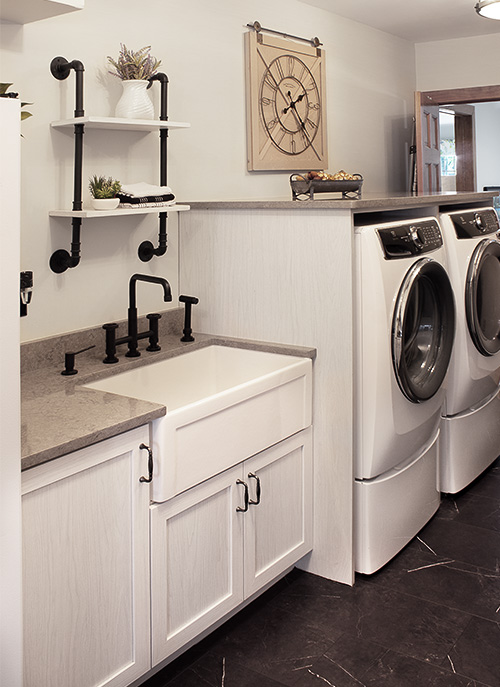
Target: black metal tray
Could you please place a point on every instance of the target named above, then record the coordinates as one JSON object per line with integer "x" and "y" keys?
{"x": 304, "y": 188}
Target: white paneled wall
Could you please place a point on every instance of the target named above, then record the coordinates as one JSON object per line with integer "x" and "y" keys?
{"x": 286, "y": 277}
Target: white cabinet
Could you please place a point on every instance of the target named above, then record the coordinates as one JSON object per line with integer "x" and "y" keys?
{"x": 278, "y": 531}
{"x": 86, "y": 566}
{"x": 213, "y": 546}
{"x": 114, "y": 584}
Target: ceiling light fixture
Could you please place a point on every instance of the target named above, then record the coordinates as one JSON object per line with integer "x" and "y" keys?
{"x": 489, "y": 9}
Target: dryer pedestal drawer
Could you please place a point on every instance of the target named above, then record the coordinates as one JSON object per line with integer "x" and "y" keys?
{"x": 468, "y": 444}
{"x": 391, "y": 509}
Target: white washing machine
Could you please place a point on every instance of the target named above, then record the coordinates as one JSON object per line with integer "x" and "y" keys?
{"x": 404, "y": 331}
{"x": 470, "y": 428}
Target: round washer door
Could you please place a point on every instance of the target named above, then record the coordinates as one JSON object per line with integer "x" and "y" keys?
{"x": 482, "y": 297}
{"x": 423, "y": 329}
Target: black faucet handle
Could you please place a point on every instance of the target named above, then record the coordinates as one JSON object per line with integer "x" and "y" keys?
{"x": 153, "y": 319}
{"x": 110, "y": 329}
{"x": 69, "y": 361}
{"x": 191, "y": 300}
{"x": 188, "y": 302}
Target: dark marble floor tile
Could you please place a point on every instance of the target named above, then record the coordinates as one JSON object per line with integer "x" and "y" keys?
{"x": 477, "y": 652}
{"x": 274, "y": 643}
{"x": 342, "y": 665}
{"x": 418, "y": 572}
{"x": 394, "y": 620}
{"x": 480, "y": 511}
{"x": 354, "y": 654}
{"x": 462, "y": 542}
{"x": 487, "y": 484}
{"x": 322, "y": 671}
{"x": 452, "y": 505}
{"x": 471, "y": 509}
{"x": 395, "y": 670}
{"x": 214, "y": 671}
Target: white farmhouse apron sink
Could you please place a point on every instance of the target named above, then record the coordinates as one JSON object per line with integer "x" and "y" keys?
{"x": 224, "y": 405}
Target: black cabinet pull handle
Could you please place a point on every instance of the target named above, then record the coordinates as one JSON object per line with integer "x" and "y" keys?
{"x": 150, "y": 464}
{"x": 245, "y": 508}
{"x": 257, "y": 489}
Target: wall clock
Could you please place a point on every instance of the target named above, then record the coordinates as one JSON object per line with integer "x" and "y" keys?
{"x": 286, "y": 123}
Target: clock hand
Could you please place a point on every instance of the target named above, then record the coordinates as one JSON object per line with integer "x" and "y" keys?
{"x": 304, "y": 132}
{"x": 293, "y": 102}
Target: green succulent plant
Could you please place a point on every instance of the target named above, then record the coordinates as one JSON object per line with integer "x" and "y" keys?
{"x": 102, "y": 187}
{"x": 5, "y": 93}
{"x": 134, "y": 65}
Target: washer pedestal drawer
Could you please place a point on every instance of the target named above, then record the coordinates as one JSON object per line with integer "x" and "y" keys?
{"x": 389, "y": 510}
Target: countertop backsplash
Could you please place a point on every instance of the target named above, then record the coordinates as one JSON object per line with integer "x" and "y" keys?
{"x": 50, "y": 352}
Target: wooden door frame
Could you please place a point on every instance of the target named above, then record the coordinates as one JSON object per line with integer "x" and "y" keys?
{"x": 466, "y": 150}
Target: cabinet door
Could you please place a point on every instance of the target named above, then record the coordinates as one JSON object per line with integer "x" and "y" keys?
{"x": 86, "y": 567}
{"x": 196, "y": 561}
{"x": 278, "y": 530}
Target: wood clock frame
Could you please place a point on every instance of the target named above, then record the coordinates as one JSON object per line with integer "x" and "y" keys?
{"x": 286, "y": 122}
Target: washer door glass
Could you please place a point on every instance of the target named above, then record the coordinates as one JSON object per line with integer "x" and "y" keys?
{"x": 482, "y": 297}
{"x": 423, "y": 329}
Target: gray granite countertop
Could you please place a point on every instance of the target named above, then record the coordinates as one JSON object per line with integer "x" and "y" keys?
{"x": 369, "y": 202}
{"x": 59, "y": 415}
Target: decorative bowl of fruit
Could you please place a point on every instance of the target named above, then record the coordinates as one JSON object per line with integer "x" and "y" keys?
{"x": 304, "y": 186}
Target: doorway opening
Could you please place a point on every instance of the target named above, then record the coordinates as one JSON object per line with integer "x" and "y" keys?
{"x": 447, "y": 160}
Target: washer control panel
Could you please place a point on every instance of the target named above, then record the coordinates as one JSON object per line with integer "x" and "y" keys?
{"x": 472, "y": 223}
{"x": 413, "y": 238}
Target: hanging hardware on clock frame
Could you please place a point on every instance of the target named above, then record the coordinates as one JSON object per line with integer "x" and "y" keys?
{"x": 61, "y": 259}
{"x": 256, "y": 25}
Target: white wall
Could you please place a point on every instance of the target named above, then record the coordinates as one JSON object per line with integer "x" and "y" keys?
{"x": 458, "y": 63}
{"x": 370, "y": 84}
{"x": 487, "y": 122}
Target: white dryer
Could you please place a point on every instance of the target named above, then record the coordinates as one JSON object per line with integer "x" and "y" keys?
{"x": 470, "y": 429}
{"x": 404, "y": 330}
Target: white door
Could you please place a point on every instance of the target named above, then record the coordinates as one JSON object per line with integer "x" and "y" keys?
{"x": 86, "y": 567}
{"x": 279, "y": 521}
{"x": 428, "y": 145}
{"x": 196, "y": 561}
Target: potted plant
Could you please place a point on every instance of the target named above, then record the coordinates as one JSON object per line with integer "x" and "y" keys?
{"x": 103, "y": 191}
{"x": 134, "y": 68}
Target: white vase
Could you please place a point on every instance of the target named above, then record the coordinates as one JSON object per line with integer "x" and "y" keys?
{"x": 135, "y": 102}
{"x": 104, "y": 203}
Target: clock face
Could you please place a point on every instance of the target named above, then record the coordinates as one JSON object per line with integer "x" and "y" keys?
{"x": 290, "y": 104}
{"x": 286, "y": 125}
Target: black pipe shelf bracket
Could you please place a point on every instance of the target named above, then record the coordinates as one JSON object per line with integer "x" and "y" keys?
{"x": 60, "y": 69}
{"x": 61, "y": 260}
{"x": 146, "y": 250}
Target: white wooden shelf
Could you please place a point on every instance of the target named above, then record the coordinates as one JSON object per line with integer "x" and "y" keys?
{"x": 27, "y": 11}
{"x": 89, "y": 214}
{"x": 118, "y": 124}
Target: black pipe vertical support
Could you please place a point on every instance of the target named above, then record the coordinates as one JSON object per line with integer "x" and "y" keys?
{"x": 146, "y": 249}
{"x": 61, "y": 260}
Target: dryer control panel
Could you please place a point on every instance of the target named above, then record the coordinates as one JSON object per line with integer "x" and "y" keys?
{"x": 472, "y": 223}
{"x": 405, "y": 240}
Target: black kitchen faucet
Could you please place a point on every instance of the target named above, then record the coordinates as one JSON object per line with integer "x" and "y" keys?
{"x": 133, "y": 336}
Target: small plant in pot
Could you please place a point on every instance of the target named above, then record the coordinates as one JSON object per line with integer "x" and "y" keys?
{"x": 103, "y": 191}
{"x": 134, "y": 68}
